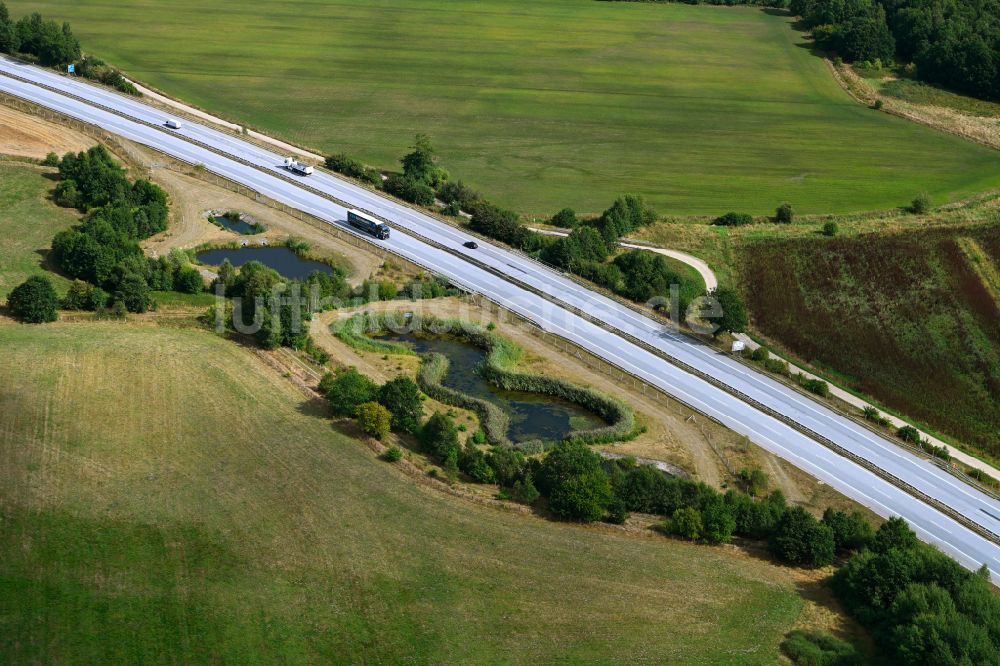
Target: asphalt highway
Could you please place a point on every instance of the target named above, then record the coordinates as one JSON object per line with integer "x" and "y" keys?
{"x": 504, "y": 276}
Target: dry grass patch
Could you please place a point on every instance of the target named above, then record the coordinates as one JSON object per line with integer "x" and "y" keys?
{"x": 164, "y": 493}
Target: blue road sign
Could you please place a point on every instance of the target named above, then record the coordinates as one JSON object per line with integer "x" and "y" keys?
{"x": 71, "y": 69}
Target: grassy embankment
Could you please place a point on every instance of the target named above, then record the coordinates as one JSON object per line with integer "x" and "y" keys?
{"x": 911, "y": 319}
{"x": 27, "y": 224}
{"x": 164, "y": 493}
{"x": 547, "y": 104}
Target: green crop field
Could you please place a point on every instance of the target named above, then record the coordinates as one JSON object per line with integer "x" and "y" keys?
{"x": 544, "y": 104}
{"x": 27, "y": 224}
{"x": 166, "y": 497}
{"x": 912, "y": 319}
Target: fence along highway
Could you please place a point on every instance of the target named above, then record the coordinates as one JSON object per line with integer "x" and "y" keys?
{"x": 636, "y": 344}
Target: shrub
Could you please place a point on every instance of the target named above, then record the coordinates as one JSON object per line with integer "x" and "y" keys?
{"x": 685, "y": 522}
{"x": 757, "y": 519}
{"x": 733, "y": 220}
{"x": 920, "y": 204}
{"x": 297, "y": 245}
{"x": 439, "y": 438}
{"x": 501, "y": 224}
{"x": 189, "y": 280}
{"x": 409, "y": 190}
{"x": 347, "y": 389}
{"x": 133, "y": 292}
{"x": 816, "y": 648}
{"x": 800, "y": 539}
{"x": 565, "y": 461}
{"x": 509, "y": 466}
{"x": 850, "y": 530}
{"x": 474, "y": 463}
{"x": 402, "y": 398}
{"x": 458, "y": 194}
{"x": 645, "y": 275}
{"x": 718, "y": 522}
{"x": 565, "y": 218}
{"x": 524, "y": 491}
{"x": 394, "y": 454}
{"x": 51, "y": 160}
{"x": 830, "y": 229}
{"x": 84, "y": 296}
{"x": 582, "y": 497}
{"x": 374, "y": 419}
{"x": 617, "y": 512}
{"x": 909, "y": 434}
{"x": 784, "y": 214}
{"x": 34, "y": 301}
{"x": 734, "y": 317}
{"x": 777, "y": 366}
{"x": 754, "y": 480}
{"x": 817, "y": 386}
{"x": 760, "y": 354}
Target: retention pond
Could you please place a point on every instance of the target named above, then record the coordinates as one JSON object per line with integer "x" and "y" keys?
{"x": 287, "y": 263}
{"x": 532, "y": 416}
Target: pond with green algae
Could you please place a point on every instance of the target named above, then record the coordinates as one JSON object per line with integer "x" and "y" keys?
{"x": 533, "y": 416}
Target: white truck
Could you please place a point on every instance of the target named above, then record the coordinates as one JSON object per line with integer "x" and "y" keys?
{"x": 298, "y": 167}
{"x": 173, "y": 124}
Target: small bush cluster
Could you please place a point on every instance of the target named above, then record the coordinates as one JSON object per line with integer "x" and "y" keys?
{"x": 873, "y": 415}
{"x": 815, "y": 648}
{"x": 817, "y": 386}
{"x": 97, "y": 70}
{"x": 784, "y": 214}
{"x": 355, "y": 169}
{"x": 733, "y": 220}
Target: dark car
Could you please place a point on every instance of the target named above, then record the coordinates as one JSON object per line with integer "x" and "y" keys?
{"x": 472, "y": 245}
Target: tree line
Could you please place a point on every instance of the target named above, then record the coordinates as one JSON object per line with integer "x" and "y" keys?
{"x": 52, "y": 44}
{"x": 953, "y": 43}
{"x": 46, "y": 41}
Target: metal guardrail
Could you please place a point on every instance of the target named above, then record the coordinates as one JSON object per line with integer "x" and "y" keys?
{"x": 859, "y": 460}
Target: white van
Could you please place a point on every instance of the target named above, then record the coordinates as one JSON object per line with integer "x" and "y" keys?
{"x": 173, "y": 124}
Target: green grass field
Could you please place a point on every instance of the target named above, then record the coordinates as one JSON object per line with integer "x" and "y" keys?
{"x": 27, "y": 224}
{"x": 911, "y": 319}
{"x": 164, "y": 496}
{"x": 544, "y": 104}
